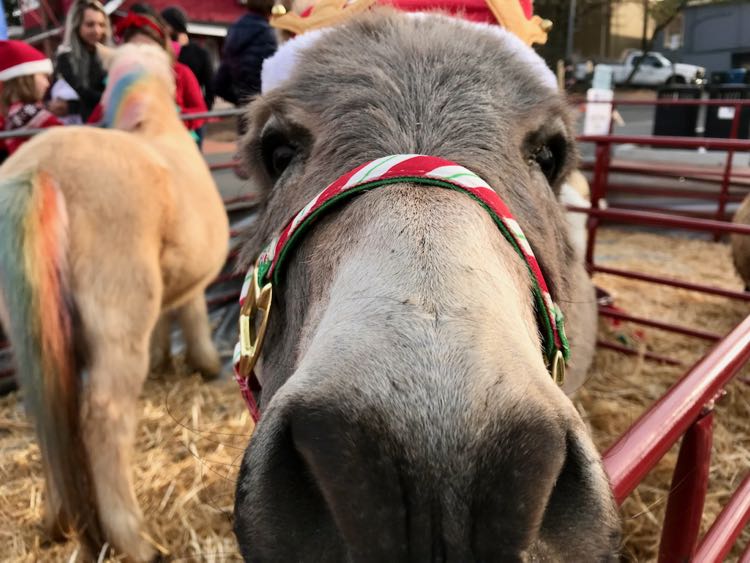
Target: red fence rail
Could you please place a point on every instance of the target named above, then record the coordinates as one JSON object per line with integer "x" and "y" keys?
{"x": 213, "y": 114}
{"x": 630, "y": 458}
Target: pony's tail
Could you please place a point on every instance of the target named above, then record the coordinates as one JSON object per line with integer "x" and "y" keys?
{"x": 42, "y": 316}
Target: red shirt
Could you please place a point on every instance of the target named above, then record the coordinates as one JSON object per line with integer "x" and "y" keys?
{"x": 24, "y": 117}
{"x": 188, "y": 96}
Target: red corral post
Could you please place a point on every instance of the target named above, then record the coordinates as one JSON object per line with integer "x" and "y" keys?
{"x": 631, "y": 457}
{"x": 682, "y": 522}
{"x": 727, "y": 176}
{"x": 727, "y": 527}
{"x": 598, "y": 193}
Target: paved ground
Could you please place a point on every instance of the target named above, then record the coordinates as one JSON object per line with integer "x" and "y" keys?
{"x": 229, "y": 184}
{"x": 219, "y": 147}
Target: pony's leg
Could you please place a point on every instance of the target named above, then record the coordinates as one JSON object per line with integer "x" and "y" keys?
{"x": 110, "y": 414}
{"x": 118, "y": 365}
{"x": 161, "y": 344}
{"x": 196, "y": 328}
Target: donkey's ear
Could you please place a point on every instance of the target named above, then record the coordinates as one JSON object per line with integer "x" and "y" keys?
{"x": 106, "y": 54}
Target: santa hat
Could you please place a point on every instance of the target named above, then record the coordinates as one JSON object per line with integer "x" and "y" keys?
{"x": 20, "y": 59}
{"x": 518, "y": 29}
{"x": 516, "y": 16}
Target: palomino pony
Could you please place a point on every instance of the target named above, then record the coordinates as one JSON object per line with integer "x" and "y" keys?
{"x": 408, "y": 411}
{"x": 101, "y": 231}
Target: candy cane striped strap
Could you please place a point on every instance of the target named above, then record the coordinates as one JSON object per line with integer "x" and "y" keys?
{"x": 427, "y": 171}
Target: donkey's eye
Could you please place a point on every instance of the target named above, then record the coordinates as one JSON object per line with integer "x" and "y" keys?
{"x": 547, "y": 162}
{"x": 549, "y": 156}
{"x": 277, "y": 152}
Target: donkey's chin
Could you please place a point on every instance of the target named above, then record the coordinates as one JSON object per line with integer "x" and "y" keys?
{"x": 322, "y": 482}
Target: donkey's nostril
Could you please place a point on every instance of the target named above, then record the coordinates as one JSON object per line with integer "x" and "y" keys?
{"x": 323, "y": 482}
{"x": 357, "y": 479}
{"x": 516, "y": 473}
{"x": 581, "y": 495}
{"x": 280, "y": 511}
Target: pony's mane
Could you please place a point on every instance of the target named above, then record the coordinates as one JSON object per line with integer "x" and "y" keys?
{"x": 132, "y": 69}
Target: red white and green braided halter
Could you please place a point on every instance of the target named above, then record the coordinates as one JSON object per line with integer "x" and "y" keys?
{"x": 426, "y": 171}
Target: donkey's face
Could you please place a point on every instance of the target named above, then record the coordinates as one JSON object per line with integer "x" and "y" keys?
{"x": 407, "y": 410}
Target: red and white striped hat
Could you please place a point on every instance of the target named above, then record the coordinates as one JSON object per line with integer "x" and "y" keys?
{"x": 21, "y": 59}
{"x": 516, "y": 16}
{"x": 518, "y": 30}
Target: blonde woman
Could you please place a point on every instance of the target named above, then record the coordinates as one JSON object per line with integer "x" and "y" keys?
{"x": 77, "y": 62}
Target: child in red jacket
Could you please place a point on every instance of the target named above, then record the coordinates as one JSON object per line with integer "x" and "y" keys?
{"x": 24, "y": 74}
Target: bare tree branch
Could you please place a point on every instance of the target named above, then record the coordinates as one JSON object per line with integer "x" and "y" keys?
{"x": 664, "y": 13}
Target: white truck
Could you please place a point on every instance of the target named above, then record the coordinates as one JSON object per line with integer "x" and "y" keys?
{"x": 655, "y": 70}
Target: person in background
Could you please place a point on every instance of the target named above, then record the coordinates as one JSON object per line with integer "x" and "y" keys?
{"x": 78, "y": 63}
{"x": 188, "y": 53}
{"x": 143, "y": 26}
{"x": 250, "y": 40}
{"x": 24, "y": 81}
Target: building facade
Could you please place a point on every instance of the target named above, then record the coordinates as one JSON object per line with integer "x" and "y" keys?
{"x": 715, "y": 36}
{"x": 610, "y": 29}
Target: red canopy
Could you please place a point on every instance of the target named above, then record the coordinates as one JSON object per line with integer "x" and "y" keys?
{"x": 217, "y": 11}
{"x": 42, "y": 15}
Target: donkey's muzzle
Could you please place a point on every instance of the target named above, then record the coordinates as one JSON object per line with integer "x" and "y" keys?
{"x": 333, "y": 481}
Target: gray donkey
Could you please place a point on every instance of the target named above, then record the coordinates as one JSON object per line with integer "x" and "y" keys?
{"x": 408, "y": 413}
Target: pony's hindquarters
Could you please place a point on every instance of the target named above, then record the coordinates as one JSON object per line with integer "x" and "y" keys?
{"x": 40, "y": 315}
{"x": 87, "y": 280}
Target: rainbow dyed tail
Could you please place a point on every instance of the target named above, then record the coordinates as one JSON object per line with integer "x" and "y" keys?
{"x": 42, "y": 317}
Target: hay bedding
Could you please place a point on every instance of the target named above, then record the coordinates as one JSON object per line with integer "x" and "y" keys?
{"x": 191, "y": 435}
{"x": 621, "y": 387}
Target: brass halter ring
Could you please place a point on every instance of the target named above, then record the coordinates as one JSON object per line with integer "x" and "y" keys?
{"x": 557, "y": 368}
{"x": 254, "y": 315}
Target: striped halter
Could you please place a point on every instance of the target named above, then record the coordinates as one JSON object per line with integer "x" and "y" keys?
{"x": 424, "y": 171}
